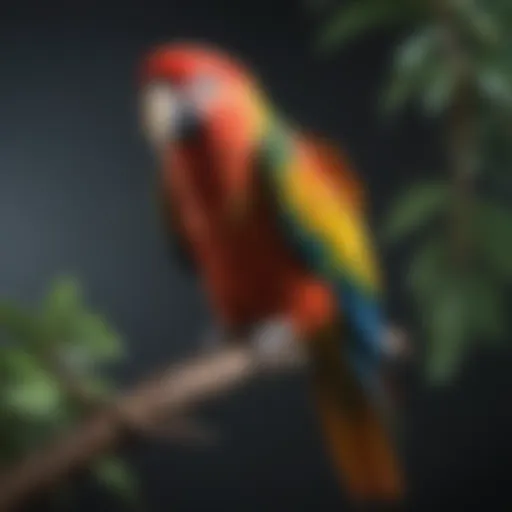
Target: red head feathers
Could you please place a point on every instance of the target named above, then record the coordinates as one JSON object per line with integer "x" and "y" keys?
{"x": 181, "y": 62}
{"x": 190, "y": 90}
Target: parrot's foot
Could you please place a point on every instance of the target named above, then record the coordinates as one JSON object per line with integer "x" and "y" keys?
{"x": 277, "y": 344}
{"x": 397, "y": 345}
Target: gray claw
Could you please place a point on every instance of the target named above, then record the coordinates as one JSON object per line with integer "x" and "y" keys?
{"x": 276, "y": 344}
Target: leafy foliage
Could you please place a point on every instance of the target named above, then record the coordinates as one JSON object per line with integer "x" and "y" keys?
{"x": 451, "y": 46}
{"x": 419, "y": 72}
{"x": 415, "y": 208}
{"x": 427, "y": 269}
{"x": 446, "y": 327}
{"x": 38, "y": 347}
{"x": 494, "y": 233}
{"x": 116, "y": 476}
{"x": 489, "y": 317}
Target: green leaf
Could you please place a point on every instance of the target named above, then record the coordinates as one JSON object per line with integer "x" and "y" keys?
{"x": 501, "y": 10}
{"x": 361, "y": 17}
{"x": 65, "y": 293}
{"x": 98, "y": 338}
{"x": 92, "y": 342}
{"x": 28, "y": 389}
{"x": 479, "y": 21}
{"x": 18, "y": 363}
{"x": 428, "y": 269}
{"x": 18, "y": 323}
{"x": 34, "y": 398}
{"x": 495, "y": 86}
{"x": 494, "y": 232}
{"x": 462, "y": 312}
{"x": 421, "y": 71}
{"x": 416, "y": 68}
{"x": 116, "y": 476}
{"x": 439, "y": 88}
{"x": 447, "y": 330}
{"x": 415, "y": 208}
{"x": 488, "y": 318}
{"x": 60, "y": 308}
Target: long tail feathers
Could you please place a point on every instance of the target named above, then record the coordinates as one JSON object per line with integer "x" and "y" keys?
{"x": 360, "y": 445}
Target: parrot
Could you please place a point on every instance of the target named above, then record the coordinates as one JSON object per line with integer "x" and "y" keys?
{"x": 273, "y": 220}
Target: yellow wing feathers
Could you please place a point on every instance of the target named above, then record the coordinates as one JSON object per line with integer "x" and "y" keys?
{"x": 329, "y": 215}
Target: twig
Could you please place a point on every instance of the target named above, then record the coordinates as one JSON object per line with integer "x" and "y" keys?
{"x": 462, "y": 135}
{"x": 73, "y": 385}
{"x": 173, "y": 393}
{"x": 165, "y": 399}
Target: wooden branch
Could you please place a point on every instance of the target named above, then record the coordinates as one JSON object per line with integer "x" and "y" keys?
{"x": 173, "y": 393}
{"x": 167, "y": 397}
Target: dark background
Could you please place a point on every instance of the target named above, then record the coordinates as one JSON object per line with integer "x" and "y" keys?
{"x": 76, "y": 197}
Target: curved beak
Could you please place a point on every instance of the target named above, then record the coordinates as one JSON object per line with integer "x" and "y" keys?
{"x": 166, "y": 116}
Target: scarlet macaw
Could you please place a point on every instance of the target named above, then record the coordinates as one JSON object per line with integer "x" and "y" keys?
{"x": 273, "y": 221}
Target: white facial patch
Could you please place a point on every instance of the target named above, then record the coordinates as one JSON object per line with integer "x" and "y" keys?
{"x": 160, "y": 105}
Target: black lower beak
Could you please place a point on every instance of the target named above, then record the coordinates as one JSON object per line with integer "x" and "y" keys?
{"x": 188, "y": 124}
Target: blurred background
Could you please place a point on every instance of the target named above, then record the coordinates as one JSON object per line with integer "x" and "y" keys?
{"x": 76, "y": 199}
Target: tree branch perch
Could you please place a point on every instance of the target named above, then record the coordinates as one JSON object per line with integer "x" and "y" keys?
{"x": 172, "y": 394}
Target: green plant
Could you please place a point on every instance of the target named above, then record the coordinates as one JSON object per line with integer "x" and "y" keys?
{"x": 51, "y": 357}
{"x": 453, "y": 62}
